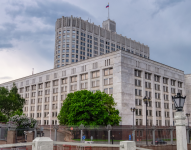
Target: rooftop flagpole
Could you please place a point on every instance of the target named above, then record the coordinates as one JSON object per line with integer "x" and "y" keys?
{"x": 108, "y": 11}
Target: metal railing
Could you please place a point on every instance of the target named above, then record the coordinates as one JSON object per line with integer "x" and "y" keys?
{"x": 46, "y": 143}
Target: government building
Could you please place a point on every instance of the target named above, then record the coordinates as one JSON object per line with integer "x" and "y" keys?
{"x": 91, "y": 57}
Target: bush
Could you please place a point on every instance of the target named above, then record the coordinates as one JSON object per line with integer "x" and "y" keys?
{"x": 22, "y": 121}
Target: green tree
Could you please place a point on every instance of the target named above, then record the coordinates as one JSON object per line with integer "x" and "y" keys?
{"x": 11, "y": 103}
{"x": 88, "y": 108}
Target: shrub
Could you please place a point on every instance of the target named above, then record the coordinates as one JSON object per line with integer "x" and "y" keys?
{"x": 22, "y": 121}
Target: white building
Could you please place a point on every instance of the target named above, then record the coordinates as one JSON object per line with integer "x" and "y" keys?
{"x": 127, "y": 76}
{"x": 76, "y": 40}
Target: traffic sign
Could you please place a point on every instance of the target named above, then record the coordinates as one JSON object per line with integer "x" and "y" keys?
{"x": 83, "y": 137}
{"x": 129, "y": 137}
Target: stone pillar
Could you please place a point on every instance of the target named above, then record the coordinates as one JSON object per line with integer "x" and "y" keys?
{"x": 10, "y": 137}
{"x": 153, "y": 136}
{"x": 42, "y": 143}
{"x": 109, "y": 136}
{"x": 187, "y": 134}
{"x": 128, "y": 145}
{"x": 180, "y": 130}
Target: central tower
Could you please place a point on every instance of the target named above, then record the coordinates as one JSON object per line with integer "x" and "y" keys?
{"x": 109, "y": 25}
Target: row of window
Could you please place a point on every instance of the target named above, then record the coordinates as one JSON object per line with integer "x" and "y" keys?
{"x": 137, "y": 73}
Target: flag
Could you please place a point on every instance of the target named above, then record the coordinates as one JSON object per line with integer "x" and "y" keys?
{"x": 107, "y": 6}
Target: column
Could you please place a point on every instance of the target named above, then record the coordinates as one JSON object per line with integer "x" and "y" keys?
{"x": 143, "y": 95}
{"x": 153, "y": 99}
{"x": 36, "y": 100}
{"x": 89, "y": 80}
{"x": 180, "y": 130}
{"x": 29, "y": 102}
{"x": 162, "y": 101}
{"x": 170, "y": 102}
{"x": 24, "y": 95}
{"x": 68, "y": 84}
{"x": 101, "y": 80}
{"x": 43, "y": 99}
{"x": 50, "y": 104}
{"x": 59, "y": 97}
{"x": 78, "y": 82}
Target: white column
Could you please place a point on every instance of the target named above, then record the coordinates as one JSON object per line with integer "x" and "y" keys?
{"x": 162, "y": 101}
{"x": 59, "y": 96}
{"x": 36, "y": 100}
{"x": 89, "y": 80}
{"x": 153, "y": 99}
{"x": 170, "y": 101}
{"x": 43, "y": 99}
{"x": 50, "y": 104}
{"x": 24, "y": 96}
{"x": 68, "y": 85}
{"x": 29, "y": 103}
{"x": 143, "y": 95}
{"x": 101, "y": 79}
{"x": 78, "y": 82}
{"x": 180, "y": 130}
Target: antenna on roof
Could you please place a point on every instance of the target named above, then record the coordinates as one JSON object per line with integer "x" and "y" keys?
{"x": 32, "y": 71}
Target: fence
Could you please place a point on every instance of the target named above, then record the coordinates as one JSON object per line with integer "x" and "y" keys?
{"x": 115, "y": 134}
{"x": 45, "y": 143}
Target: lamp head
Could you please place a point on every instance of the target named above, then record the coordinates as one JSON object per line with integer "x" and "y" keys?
{"x": 179, "y": 101}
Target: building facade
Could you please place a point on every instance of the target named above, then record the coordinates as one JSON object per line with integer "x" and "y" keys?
{"x": 128, "y": 77}
{"x": 77, "y": 40}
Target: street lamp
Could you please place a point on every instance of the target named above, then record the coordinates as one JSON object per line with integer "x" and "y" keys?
{"x": 133, "y": 110}
{"x": 146, "y": 100}
{"x": 180, "y": 122}
{"x": 178, "y": 101}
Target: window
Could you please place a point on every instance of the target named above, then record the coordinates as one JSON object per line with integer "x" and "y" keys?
{"x": 157, "y": 87}
{"x": 95, "y": 74}
{"x": 74, "y": 79}
{"x": 138, "y": 102}
{"x": 157, "y": 78}
{"x": 179, "y": 84}
{"x": 173, "y": 90}
{"x": 157, "y": 95}
{"x": 138, "y": 92}
{"x": 173, "y": 82}
{"x": 165, "y": 80}
{"x": 137, "y": 73}
{"x": 108, "y": 71}
{"x": 147, "y": 85}
{"x": 84, "y": 76}
{"x": 137, "y": 82}
{"x": 165, "y": 89}
{"x": 148, "y": 76}
{"x": 67, "y": 55}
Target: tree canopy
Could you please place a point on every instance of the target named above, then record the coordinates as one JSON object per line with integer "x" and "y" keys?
{"x": 11, "y": 103}
{"x": 88, "y": 108}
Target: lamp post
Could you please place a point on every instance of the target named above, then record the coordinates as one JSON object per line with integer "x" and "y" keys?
{"x": 188, "y": 131}
{"x": 133, "y": 110}
{"x": 146, "y": 100}
{"x": 180, "y": 122}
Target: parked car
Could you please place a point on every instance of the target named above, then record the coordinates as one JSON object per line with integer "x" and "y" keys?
{"x": 159, "y": 141}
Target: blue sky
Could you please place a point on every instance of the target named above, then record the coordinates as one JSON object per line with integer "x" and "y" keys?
{"x": 27, "y": 30}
